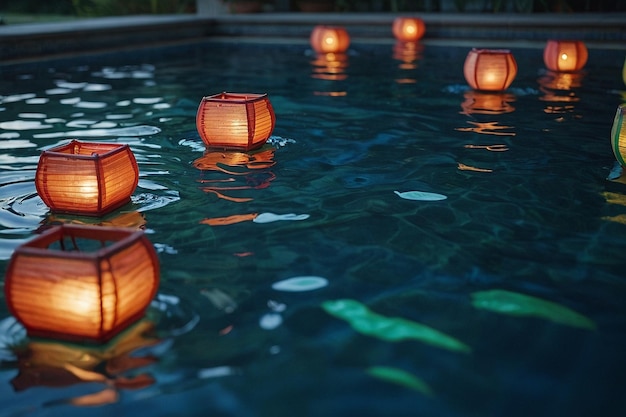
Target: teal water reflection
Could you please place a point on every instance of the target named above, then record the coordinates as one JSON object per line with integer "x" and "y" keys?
{"x": 305, "y": 277}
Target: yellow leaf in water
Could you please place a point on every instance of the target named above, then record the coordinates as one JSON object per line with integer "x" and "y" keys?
{"x": 464, "y": 167}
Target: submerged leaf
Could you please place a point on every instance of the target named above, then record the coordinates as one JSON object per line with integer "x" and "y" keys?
{"x": 391, "y": 329}
{"x": 515, "y": 304}
{"x": 420, "y": 196}
{"x": 400, "y": 377}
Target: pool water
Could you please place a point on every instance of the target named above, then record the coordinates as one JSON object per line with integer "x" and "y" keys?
{"x": 402, "y": 245}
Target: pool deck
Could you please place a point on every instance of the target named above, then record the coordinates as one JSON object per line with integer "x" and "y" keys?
{"x": 29, "y": 42}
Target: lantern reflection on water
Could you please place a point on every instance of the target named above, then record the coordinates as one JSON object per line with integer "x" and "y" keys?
{"x": 330, "y": 66}
{"x": 408, "y": 53}
{"x": 54, "y": 364}
{"x": 477, "y": 102}
{"x": 558, "y": 90}
{"x": 248, "y": 170}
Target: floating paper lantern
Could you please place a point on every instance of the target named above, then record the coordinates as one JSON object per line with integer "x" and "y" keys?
{"x": 82, "y": 283}
{"x": 618, "y": 135}
{"x": 564, "y": 55}
{"x": 490, "y": 69}
{"x": 236, "y": 121}
{"x": 86, "y": 178}
{"x": 325, "y": 39}
{"x": 408, "y": 29}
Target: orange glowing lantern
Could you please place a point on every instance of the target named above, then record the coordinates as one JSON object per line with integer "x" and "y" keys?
{"x": 82, "y": 283}
{"x": 408, "y": 29}
{"x": 490, "y": 69}
{"x": 325, "y": 39}
{"x": 233, "y": 120}
{"x": 86, "y": 178}
{"x": 618, "y": 135}
{"x": 565, "y": 56}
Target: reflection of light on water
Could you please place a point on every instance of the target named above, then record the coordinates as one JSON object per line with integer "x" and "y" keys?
{"x": 246, "y": 171}
{"x": 487, "y": 103}
{"x": 330, "y": 67}
{"x": 487, "y": 128}
{"x": 408, "y": 53}
{"x": 557, "y": 87}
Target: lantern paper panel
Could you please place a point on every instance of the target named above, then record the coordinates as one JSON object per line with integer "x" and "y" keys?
{"x": 565, "y": 55}
{"x": 490, "y": 69}
{"x": 408, "y": 29}
{"x": 86, "y": 178}
{"x": 82, "y": 283}
{"x": 325, "y": 39}
{"x": 618, "y": 135}
{"x": 235, "y": 120}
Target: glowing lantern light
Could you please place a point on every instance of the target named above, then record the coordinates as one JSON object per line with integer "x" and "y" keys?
{"x": 490, "y": 69}
{"x": 325, "y": 39}
{"x": 618, "y": 135}
{"x": 234, "y": 120}
{"x": 408, "y": 29}
{"x": 565, "y": 56}
{"x": 86, "y": 178}
{"x": 82, "y": 283}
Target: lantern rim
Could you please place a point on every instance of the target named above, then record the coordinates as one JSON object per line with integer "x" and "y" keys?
{"x": 120, "y": 238}
{"x": 236, "y": 97}
{"x": 114, "y": 148}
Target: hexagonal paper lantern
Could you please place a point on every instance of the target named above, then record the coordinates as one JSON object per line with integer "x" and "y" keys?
{"x": 325, "y": 39}
{"x": 618, "y": 135}
{"x": 86, "y": 178}
{"x": 565, "y": 55}
{"x": 490, "y": 69}
{"x": 408, "y": 29}
{"x": 82, "y": 283}
{"x": 235, "y": 120}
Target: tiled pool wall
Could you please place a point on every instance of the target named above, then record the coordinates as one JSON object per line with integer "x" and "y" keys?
{"x": 43, "y": 40}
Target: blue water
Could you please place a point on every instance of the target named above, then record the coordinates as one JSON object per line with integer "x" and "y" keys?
{"x": 506, "y": 298}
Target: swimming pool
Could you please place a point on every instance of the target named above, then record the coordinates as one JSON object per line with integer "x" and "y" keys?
{"x": 306, "y": 278}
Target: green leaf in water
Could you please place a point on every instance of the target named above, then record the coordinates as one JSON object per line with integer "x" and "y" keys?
{"x": 400, "y": 377}
{"x": 391, "y": 329}
{"x": 515, "y": 304}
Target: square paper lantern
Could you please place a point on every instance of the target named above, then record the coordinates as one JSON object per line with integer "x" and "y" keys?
{"x": 565, "y": 56}
{"x": 81, "y": 283}
{"x": 86, "y": 178}
{"x": 235, "y": 120}
{"x": 618, "y": 135}
{"x": 408, "y": 29}
{"x": 490, "y": 69}
{"x": 325, "y": 39}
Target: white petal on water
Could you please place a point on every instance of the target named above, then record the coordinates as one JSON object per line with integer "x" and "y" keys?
{"x": 218, "y": 371}
{"x": 420, "y": 196}
{"x": 271, "y": 217}
{"x": 270, "y": 321}
{"x": 298, "y": 284}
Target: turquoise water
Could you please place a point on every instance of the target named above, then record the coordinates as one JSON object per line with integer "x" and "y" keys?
{"x": 296, "y": 279}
